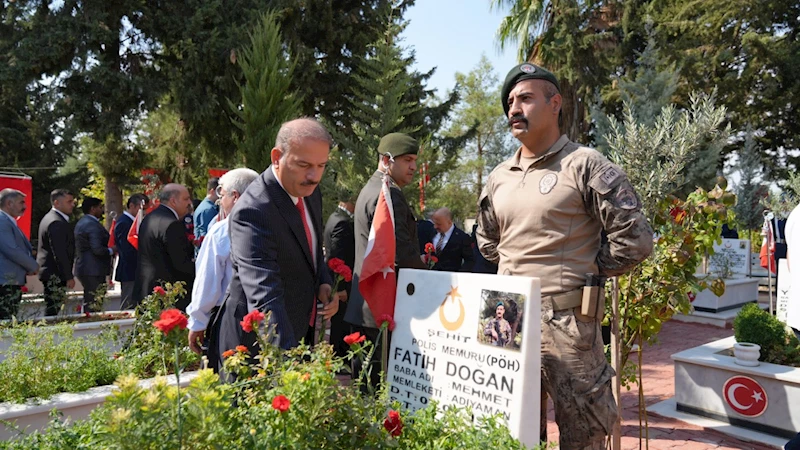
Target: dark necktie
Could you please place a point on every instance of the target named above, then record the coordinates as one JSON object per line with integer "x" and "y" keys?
{"x": 440, "y": 243}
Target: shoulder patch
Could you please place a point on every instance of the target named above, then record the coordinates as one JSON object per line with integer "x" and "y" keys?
{"x": 608, "y": 179}
{"x": 626, "y": 199}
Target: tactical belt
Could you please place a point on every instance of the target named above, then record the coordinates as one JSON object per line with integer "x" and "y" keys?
{"x": 567, "y": 300}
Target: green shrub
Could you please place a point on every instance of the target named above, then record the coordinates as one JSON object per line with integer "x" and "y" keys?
{"x": 44, "y": 361}
{"x": 319, "y": 413}
{"x": 757, "y": 326}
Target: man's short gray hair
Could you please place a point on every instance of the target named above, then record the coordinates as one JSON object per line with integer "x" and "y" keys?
{"x": 237, "y": 179}
{"x": 8, "y": 194}
{"x": 169, "y": 191}
{"x": 297, "y": 130}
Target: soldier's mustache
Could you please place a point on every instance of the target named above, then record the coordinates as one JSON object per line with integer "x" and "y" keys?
{"x": 517, "y": 118}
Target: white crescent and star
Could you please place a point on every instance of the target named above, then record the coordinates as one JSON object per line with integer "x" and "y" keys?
{"x": 757, "y": 397}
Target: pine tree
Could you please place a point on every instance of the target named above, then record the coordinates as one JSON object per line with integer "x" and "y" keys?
{"x": 749, "y": 191}
{"x": 387, "y": 96}
{"x": 267, "y": 100}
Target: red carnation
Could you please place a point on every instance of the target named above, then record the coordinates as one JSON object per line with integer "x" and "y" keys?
{"x": 335, "y": 263}
{"x": 252, "y": 319}
{"x": 354, "y": 338}
{"x": 159, "y": 290}
{"x": 241, "y": 348}
{"x": 228, "y": 353}
{"x": 429, "y": 248}
{"x": 338, "y": 267}
{"x": 393, "y": 424}
{"x": 434, "y": 259}
{"x": 385, "y": 318}
{"x": 190, "y": 237}
{"x": 171, "y": 318}
{"x": 24, "y": 289}
{"x": 281, "y": 403}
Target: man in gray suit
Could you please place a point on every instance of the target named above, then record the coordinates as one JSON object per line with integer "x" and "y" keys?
{"x": 276, "y": 244}
{"x": 93, "y": 254}
{"x": 15, "y": 253}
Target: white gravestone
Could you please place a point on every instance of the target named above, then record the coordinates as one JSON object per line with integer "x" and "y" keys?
{"x": 443, "y": 347}
{"x": 737, "y": 253}
{"x": 784, "y": 286}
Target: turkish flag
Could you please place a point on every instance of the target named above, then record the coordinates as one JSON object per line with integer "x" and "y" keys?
{"x": 767, "y": 253}
{"x": 133, "y": 233}
{"x": 112, "y": 242}
{"x": 378, "y": 280}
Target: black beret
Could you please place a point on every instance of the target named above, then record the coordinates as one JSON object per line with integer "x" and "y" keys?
{"x": 524, "y": 71}
{"x": 397, "y": 144}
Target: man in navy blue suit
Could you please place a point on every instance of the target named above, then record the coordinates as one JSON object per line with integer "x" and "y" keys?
{"x": 126, "y": 266}
{"x": 453, "y": 246}
{"x": 276, "y": 244}
{"x": 93, "y": 255}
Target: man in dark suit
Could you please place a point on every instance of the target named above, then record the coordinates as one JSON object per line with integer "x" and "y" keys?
{"x": 56, "y": 252}
{"x": 93, "y": 263}
{"x": 425, "y": 233}
{"x": 15, "y": 253}
{"x": 397, "y": 159}
{"x": 453, "y": 246}
{"x": 340, "y": 243}
{"x": 276, "y": 244}
{"x": 128, "y": 255}
{"x": 165, "y": 254}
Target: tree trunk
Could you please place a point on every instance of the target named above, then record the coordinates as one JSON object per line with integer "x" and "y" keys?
{"x": 573, "y": 112}
{"x": 113, "y": 200}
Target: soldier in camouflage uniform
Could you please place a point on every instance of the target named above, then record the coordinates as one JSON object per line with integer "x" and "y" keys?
{"x": 558, "y": 210}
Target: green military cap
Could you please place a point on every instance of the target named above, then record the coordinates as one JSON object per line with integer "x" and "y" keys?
{"x": 524, "y": 71}
{"x": 397, "y": 144}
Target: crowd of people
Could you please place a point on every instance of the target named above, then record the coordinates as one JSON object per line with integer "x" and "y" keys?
{"x": 263, "y": 246}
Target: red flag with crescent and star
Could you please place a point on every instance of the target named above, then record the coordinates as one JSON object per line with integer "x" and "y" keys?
{"x": 378, "y": 280}
{"x": 133, "y": 233}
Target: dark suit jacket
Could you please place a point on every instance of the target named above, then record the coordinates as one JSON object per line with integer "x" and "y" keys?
{"x": 91, "y": 248}
{"x": 165, "y": 255}
{"x": 126, "y": 266}
{"x": 425, "y": 233}
{"x": 273, "y": 270}
{"x": 456, "y": 256}
{"x": 406, "y": 244}
{"x": 56, "y": 251}
{"x": 340, "y": 242}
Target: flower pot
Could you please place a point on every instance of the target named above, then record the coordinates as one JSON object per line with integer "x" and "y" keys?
{"x": 746, "y": 354}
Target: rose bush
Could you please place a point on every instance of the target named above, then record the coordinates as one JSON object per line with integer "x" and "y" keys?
{"x": 293, "y": 401}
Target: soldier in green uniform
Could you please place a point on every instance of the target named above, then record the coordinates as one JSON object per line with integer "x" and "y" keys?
{"x": 397, "y": 159}
{"x": 580, "y": 215}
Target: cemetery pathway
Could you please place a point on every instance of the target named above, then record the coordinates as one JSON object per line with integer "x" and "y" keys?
{"x": 659, "y": 384}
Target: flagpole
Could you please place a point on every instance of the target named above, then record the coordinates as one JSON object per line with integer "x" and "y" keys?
{"x": 768, "y": 216}
{"x": 616, "y": 362}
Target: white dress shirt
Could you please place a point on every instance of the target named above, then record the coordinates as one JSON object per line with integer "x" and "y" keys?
{"x": 446, "y": 237}
{"x": 214, "y": 270}
{"x": 66, "y": 217}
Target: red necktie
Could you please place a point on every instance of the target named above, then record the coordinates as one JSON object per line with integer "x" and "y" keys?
{"x": 302, "y": 209}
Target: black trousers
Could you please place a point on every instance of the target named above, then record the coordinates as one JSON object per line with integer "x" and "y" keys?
{"x": 10, "y": 297}
{"x": 90, "y": 284}
{"x": 54, "y": 294}
{"x": 339, "y": 329}
{"x": 374, "y": 364}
